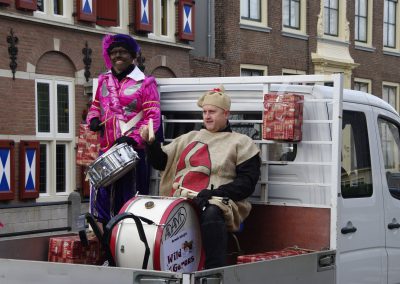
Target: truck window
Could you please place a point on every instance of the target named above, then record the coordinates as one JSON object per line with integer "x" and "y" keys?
{"x": 356, "y": 175}
{"x": 183, "y": 122}
{"x": 178, "y": 123}
{"x": 390, "y": 142}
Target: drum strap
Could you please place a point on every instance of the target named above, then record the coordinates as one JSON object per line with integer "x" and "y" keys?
{"x": 138, "y": 220}
{"x": 127, "y": 126}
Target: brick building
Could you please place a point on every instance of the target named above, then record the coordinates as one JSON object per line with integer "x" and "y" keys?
{"x": 50, "y": 51}
{"x": 357, "y": 38}
{"x": 43, "y": 61}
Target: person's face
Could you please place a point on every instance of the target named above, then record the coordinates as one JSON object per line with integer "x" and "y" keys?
{"x": 214, "y": 118}
{"x": 120, "y": 59}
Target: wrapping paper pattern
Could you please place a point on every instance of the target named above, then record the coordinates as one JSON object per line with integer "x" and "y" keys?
{"x": 271, "y": 255}
{"x": 283, "y": 117}
{"x": 88, "y": 146}
{"x": 69, "y": 249}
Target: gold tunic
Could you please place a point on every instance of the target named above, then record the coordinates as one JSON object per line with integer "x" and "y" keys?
{"x": 204, "y": 159}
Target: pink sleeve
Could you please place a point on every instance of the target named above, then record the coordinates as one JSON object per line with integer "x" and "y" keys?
{"x": 150, "y": 108}
{"x": 94, "y": 110}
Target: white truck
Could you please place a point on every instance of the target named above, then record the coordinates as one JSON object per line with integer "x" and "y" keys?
{"x": 335, "y": 193}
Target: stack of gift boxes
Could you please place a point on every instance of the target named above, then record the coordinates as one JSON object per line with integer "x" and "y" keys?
{"x": 283, "y": 116}
{"x": 271, "y": 255}
{"x": 69, "y": 249}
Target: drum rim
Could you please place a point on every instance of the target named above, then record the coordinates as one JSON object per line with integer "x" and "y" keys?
{"x": 160, "y": 230}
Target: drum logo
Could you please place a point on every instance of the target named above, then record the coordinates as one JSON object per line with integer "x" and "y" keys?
{"x": 175, "y": 223}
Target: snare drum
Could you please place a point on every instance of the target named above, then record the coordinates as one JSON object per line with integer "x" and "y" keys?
{"x": 174, "y": 240}
{"x": 112, "y": 165}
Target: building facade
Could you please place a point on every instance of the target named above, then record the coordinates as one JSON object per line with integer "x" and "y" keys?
{"x": 263, "y": 37}
{"x": 50, "y": 52}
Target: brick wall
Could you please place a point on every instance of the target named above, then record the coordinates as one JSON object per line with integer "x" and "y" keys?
{"x": 36, "y": 47}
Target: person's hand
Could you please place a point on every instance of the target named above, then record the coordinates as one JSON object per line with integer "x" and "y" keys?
{"x": 126, "y": 139}
{"x": 144, "y": 132}
{"x": 95, "y": 124}
{"x": 201, "y": 200}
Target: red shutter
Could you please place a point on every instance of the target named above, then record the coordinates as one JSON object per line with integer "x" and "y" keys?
{"x": 186, "y": 13}
{"x": 107, "y": 13}
{"x": 86, "y": 12}
{"x": 7, "y": 162}
{"x": 6, "y": 2}
{"x": 30, "y": 5}
{"x": 144, "y": 15}
{"x": 29, "y": 178}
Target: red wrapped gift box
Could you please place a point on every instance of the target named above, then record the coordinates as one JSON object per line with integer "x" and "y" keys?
{"x": 271, "y": 255}
{"x": 69, "y": 249}
{"x": 283, "y": 116}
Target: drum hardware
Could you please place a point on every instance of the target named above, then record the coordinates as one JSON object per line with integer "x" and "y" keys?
{"x": 112, "y": 165}
{"x": 149, "y": 205}
{"x": 105, "y": 237}
{"x": 175, "y": 223}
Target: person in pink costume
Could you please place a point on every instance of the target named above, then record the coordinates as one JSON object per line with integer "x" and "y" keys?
{"x": 123, "y": 92}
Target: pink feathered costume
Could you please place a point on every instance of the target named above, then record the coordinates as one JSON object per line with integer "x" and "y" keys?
{"x": 122, "y": 100}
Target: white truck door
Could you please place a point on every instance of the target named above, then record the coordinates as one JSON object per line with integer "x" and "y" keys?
{"x": 361, "y": 251}
{"x": 389, "y": 143}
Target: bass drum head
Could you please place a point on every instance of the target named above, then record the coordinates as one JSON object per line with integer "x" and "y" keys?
{"x": 175, "y": 242}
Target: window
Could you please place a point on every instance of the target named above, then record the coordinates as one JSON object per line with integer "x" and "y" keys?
{"x": 253, "y": 70}
{"x": 361, "y": 21}
{"x": 56, "y": 10}
{"x": 164, "y": 20}
{"x": 253, "y": 13}
{"x": 389, "y": 94}
{"x": 291, "y": 14}
{"x": 356, "y": 179}
{"x": 250, "y": 10}
{"x": 363, "y": 85}
{"x": 54, "y": 119}
{"x": 331, "y": 16}
{"x": 389, "y": 23}
{"x": 390, "y": 143}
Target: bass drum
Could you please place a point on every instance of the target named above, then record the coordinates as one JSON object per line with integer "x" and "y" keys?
{"x": 174, "y": 239}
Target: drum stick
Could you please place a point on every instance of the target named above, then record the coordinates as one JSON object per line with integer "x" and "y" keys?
{"x": 151, "y": 130}
{"x": 177, "y": 186}
{"x": 105, "y": 120}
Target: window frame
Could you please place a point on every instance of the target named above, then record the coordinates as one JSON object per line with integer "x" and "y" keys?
{"x": 254, "y": 67}
{"x": 286, "y": 71}
{"x": 263, "y": 23}
{"x": 350, "y": 170}
{"x": 299, "y": 14}
{"x": 368, "y": 82}
{"x": 357, "y": 19}
{"x": 395, "y": 24}
{"x": 157, "y": 22}
{"x": 392, "y": 85}
{"x": 387, "y": 120}
{"x": 53, "y": 138}
{"x": 48, "y": 13}
{"x": 327, "y": 11}
{"x": 370, "y": 19}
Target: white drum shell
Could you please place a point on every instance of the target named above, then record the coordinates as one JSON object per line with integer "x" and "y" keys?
{"x": 166, "y": 252}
